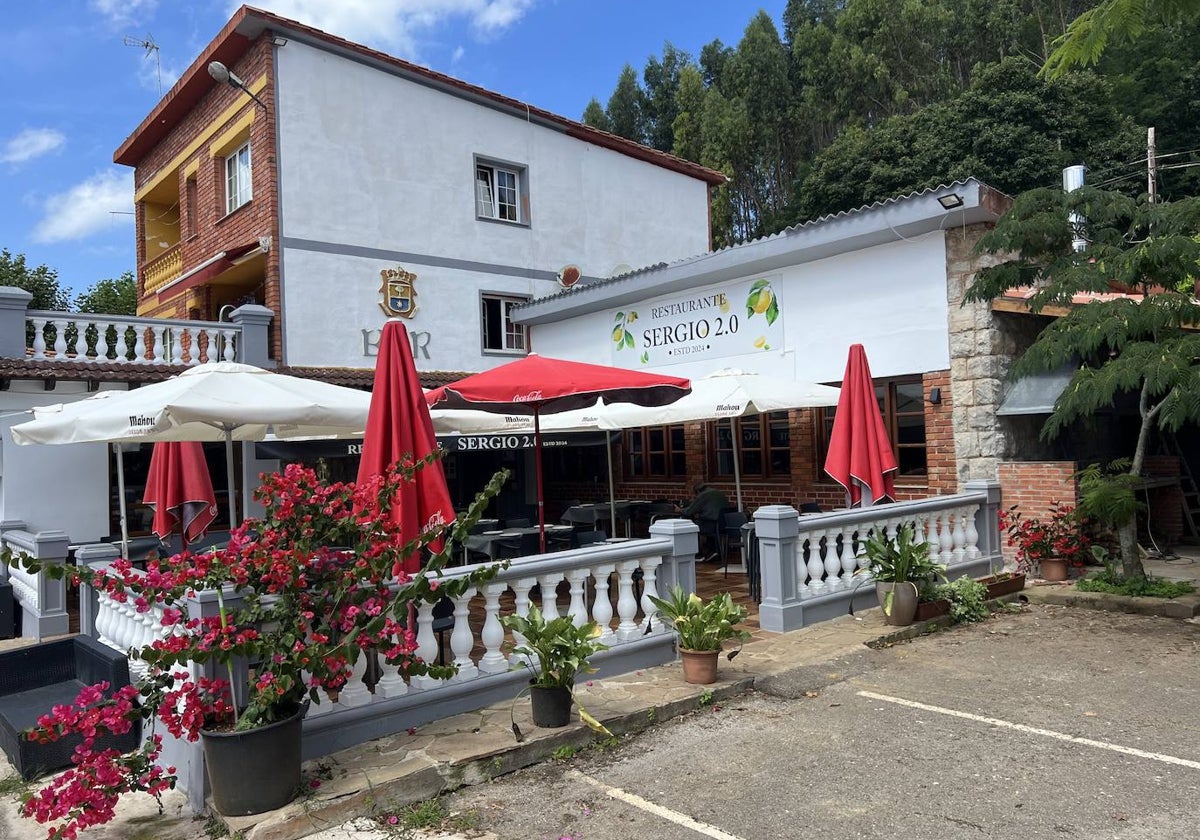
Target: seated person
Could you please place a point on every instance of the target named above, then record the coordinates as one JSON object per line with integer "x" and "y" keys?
{"x": 705, "y": 509}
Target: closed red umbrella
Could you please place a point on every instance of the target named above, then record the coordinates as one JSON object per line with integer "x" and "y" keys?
{"x": 399, "y": 426}
{"x": 179, "y": 489}
{"x": 537, "y": 385}
{"x": 860, "y": 454}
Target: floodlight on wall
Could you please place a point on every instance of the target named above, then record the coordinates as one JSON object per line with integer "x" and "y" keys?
{"x": 949, "y": 202}
{"x": 223, "y": 75}
{"x": 935, "y": 396}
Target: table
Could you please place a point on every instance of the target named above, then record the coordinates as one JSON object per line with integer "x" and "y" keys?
{"x": 593, "y": 512}
{"x": 488, "y": 542}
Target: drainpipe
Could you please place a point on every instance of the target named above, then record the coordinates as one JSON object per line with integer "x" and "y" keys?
{"x": 1073, "y": 179}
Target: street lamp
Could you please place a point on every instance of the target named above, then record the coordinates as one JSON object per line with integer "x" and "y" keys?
{"x": 223, "y": 75}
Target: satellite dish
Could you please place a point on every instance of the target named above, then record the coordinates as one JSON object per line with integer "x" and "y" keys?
{"x": 569, "y": 275}
{"x": 619, "y": 269}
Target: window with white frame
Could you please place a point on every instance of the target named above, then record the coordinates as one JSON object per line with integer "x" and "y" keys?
{"x": 498, "y": 192}
{"x": 237, "y": 178}
{"x": 500, "y": 333}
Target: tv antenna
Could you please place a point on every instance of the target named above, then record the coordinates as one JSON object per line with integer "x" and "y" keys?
{"x": 151, "y": 48}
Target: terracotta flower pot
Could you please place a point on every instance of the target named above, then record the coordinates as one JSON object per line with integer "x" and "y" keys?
{"x": 699, "y": 666}
{"x": 1053, "y": 568}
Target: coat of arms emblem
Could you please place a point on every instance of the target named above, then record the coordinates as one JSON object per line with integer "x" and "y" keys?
{"x": 398, "y": 296}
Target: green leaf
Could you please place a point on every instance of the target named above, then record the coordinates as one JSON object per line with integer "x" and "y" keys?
{"x": 759, "y": 284}
{"x": 628, "y": 339}
{"x": 772, "y": 312}
{"x": 620, "y": 317}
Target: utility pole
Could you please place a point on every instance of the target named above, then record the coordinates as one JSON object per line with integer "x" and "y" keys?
{"x": 1151, "y": 166}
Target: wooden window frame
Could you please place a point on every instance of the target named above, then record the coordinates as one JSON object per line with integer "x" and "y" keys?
{"x": 764, "y": 447}
{"x": 891, "y": 420}
{"x": 673, "y": 453}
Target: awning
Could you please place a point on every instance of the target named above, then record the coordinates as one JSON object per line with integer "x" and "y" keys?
{"x": 1036, "y": 393}
{"x": 207, "y": 270}
{"x": 310, "y": 450}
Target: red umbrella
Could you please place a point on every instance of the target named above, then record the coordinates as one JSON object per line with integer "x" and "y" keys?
{"x": 860, "y": 454}
{"x": 179, "y": 489}
{"x": 540, "y": 385}
{"x": 399, "y": 426}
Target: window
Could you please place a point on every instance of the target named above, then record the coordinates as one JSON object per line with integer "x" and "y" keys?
{"x": 237, "y": 179}
{"x": 902, "y": 404}
{"x": 656, "y": 452}
{"x": 500, "y": 333}
{"x": 764, "y": 446}
{"x": 498, "y": 192}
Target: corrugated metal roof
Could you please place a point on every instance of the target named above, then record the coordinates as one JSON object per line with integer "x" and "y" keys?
{"x": 980, "y": 203}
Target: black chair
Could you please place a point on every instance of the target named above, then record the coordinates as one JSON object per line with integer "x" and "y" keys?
{"x": 710, "y": 535}
{"x": 810, "y": 507}
{"x": 34, "y": 679}
{"x": 519, "y": 545}
{"x": 731, "y": 534}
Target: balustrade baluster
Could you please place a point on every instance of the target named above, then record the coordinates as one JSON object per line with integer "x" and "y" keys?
{"x": 649, "y": 586}
{"x": 201, "y": 351}
{"x": 926, "y": 531}
{"x": 577, "y": 578}
{"x": 391, "y": 682}
{"x": 427, "y": 646}
{"x": 60, "y": 337}
{"x": 848, "y": 561}
{"x": 493, "y": 660}
{"x": 139, "y": 345}
{"x": 176, "y": 342}
{"x": 325, "y": 706}
{"x": 816, "y": 566}
{"x": 602, "y": 611}
{"x": 355, "y": 692}
{"x": 39, "y": 338}
{"x": 159, "y": 352}
{"x": 833, "y": 563}
{"x": 103, "y": 347}
{"x": 81, "y": 340}
{"x": 230, "y": 354}
{"x": 972, "y": 533}
{"x": 549, "y": 587}
{"x": 521, "y": 607}
{"x": 104, "y": 617}
{"x": 461, "y": 639}
{"x": 959, "y": 537}
{"x": 627, "y": 605}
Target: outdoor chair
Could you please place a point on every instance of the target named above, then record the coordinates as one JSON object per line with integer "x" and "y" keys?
{"x": 36, "y": 678}
{"x": 443, "y": 623}
{"x": 731, "y": 534}
{"x": 810, "y": 507}
{"x": 519, "y": 545}
{"x": 583, "y": 538}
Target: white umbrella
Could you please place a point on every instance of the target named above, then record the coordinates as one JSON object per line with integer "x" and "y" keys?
{"x": 218, "y": 401}
{"x": 725, "y": 393}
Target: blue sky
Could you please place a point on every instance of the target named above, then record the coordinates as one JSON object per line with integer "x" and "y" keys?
{"x": 71, "y": 90}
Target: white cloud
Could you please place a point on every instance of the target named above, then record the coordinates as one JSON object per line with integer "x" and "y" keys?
{"x": 122, "y": 12}
{"x": 458, "y": 54}
{"x": 86, "y": 208}
{"x": 398, "y": 24}
{"x": 31, "y": 143}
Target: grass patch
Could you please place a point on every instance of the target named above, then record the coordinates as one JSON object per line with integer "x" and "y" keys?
{"x": 430, "y": 815}
{"x": 12, "y": 784}
{"x": 1114, "y": 583}
{"x": 564, "y": 752}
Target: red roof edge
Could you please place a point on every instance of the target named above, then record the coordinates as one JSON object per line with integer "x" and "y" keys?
{"x": 230, "y": 45}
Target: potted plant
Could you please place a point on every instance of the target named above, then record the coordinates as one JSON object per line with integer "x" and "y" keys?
{"x": 1052, "y": 543}
{"x": 703, "y": 628}
{"x": 561, "y": 650}
{"x": 900, "y": 566}
{"x": 294, "y": 611}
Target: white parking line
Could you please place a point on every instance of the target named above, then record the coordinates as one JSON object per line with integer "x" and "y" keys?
{"x": 653, "y": 808}
{"x": 1033, "y": 730}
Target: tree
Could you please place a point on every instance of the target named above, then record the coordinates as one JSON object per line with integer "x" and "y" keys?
{"x": 110, "y": 297}
{"x": 625, "y": 107}
{"x": 594, "y": 115}
{"x": 1148, "y": 348}
{"x": 1111, "y": 22}
{"x": 660, "y": 106}
{"x": 41, "y": 282}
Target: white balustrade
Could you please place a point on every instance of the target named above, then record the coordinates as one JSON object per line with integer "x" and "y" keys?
{"x": 175, "y": 342}
{"x": 355, "y": 692}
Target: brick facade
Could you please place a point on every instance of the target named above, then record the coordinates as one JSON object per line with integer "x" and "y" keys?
{"x": 216, "y": 231}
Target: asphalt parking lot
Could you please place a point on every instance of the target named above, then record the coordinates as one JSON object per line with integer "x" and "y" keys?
{"x": 1055, "y": 722}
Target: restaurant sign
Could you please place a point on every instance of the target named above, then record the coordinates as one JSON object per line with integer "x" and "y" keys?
{"x": 310, "y": 450}
{"x": 728, "y": 320}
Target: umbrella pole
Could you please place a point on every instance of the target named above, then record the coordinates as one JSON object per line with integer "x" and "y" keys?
{"x": 229, "y": 478}
{"x": 537, "y": 457}
{"x": 612, "y": 492}
{"x": 737, "y": 458}
{"x": 121, "y": 499}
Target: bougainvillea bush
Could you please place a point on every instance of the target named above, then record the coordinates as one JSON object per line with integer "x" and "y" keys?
{"x": 303, "y": 592}
{"x": 1058, "y": 534}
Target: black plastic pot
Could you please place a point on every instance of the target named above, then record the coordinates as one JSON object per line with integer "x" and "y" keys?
{"x": 256, "y": 770}
{"x": 551, "y": 706}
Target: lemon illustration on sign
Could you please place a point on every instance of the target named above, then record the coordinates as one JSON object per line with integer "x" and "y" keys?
{"x": 760, "y": 341}
{"x": 763, "y": 303}
{"x": 724, "y": 304}
{"x": 618, "y": 335}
